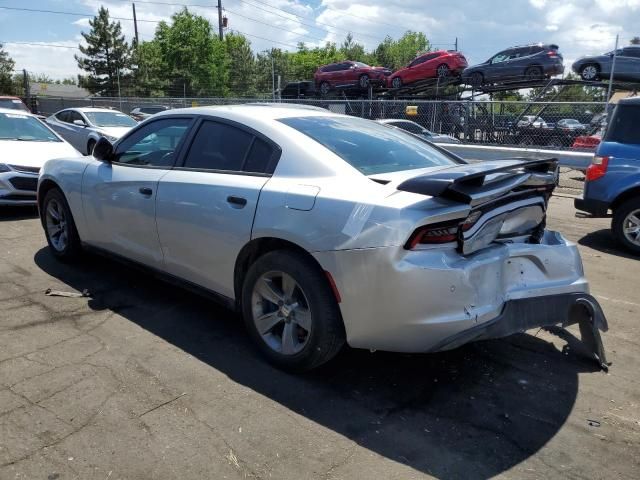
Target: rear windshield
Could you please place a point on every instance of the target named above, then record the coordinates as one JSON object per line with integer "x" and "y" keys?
{"x": 15, "y": 126}
{"x": 623, "y": 127}
{"x": 13, "y": 104}
{"x": 368, "y": 146}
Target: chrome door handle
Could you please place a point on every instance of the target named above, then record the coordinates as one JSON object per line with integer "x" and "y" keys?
{"x": 146, "y": 191}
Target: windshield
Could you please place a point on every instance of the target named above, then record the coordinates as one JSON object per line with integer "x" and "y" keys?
{"x": 15, "y": 126}
{"x": 13, "y": 104}
{"x": 368, "y": 146}
{"x": 361, "y": 65}
{"x": 110, "y": 119}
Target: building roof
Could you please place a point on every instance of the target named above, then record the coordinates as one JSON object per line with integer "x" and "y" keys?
{"x": 55, "y": 90}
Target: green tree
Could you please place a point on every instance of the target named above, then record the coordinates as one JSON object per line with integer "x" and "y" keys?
{"x": 241, "y": 66}
{"x": 352, "y": 50}
{"x": 398, "y": 53}
{"x": 106, "y": 55}
{"x": 635, "y": 41}
{"x": 6, "y": 73}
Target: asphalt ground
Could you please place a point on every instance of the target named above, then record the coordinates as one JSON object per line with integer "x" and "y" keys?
{"x": 145, "y": 381}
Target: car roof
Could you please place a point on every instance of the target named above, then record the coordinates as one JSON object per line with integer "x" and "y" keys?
{"x": 9, "y": 97}
{"x": 266, "y": 111}
{"x": 91, "y": 109}
{"x": 631, "y": 100}
{"x": 389, "y": 120}
{"x": 15, "y": 112}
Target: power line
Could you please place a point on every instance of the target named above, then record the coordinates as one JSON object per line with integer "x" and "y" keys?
{"x": 76, "y": 14}
{"x": 262, "y": 38}
{"x": 38, "y": 44}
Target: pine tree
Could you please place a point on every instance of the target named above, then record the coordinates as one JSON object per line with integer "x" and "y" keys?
{"x": 106, "y": 55}
{"x": 6, "y": 72}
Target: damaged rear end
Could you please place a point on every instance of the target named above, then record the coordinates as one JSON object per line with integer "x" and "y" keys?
{"x": 478, "y": 264}
{"x": 508, "y": 203}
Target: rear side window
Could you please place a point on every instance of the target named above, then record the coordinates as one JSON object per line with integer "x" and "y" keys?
{"x": 218, "y": 146}
{"x": 409, "y": 127}
{"x": 623, "y": 127}
{"x": 261, "y": 157}
{"x": 631, "y": 52}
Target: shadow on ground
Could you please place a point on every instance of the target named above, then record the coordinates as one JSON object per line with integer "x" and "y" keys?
{"x": 17, "y": 213}
{"x": 470, "y": 413}
{"x": 603, "y": 241}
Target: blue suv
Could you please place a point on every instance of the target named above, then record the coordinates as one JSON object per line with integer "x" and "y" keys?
{"x": 613, "y": 179}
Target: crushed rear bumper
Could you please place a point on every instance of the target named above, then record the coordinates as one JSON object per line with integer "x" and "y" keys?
{"x": 537, "y": 312}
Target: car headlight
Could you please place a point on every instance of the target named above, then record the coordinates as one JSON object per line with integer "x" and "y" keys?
{"x": 4, "y": 168}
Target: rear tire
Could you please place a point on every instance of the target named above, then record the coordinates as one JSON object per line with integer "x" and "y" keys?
{"x": 626, "y": 225}
{"x": 533, "y": 73}
{"x": 443, "y": 71}
{"x": 59, "y": 227}
{"x": 291, "y": 312}
{"x": 364, "y": 81}
{"x": 324, "y": 88}
{"x": 477, "y": 79}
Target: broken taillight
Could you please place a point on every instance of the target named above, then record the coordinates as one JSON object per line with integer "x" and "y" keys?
{"x": 439, "y": 233}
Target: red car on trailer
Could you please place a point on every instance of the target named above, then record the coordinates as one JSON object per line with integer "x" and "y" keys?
{"x": 441, "y": 63}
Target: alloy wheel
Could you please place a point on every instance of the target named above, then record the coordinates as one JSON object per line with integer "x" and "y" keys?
{"x": 631, "y": 227}
{"x": 590, "y": 72}
{"x": 396, "y": 82}
{"x": 281, "y": 313}
{"x": 364, "y": 81}
{"x": 57, "y": 226}
{"x": 442, "y": 70}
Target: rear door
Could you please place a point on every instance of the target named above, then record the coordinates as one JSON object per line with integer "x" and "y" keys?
{"x": 628, "y": 64}
{"x": 61, "y": 123}
{"x": 206, "y": 205}
{"x": 119, "y": 198}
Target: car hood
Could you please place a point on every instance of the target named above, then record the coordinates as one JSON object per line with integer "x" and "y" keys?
{"x": 34, "y": 154}
{"x": 116, "y": 132}
{"x": 440, "y": 138}
{"x": 478, "y": 65}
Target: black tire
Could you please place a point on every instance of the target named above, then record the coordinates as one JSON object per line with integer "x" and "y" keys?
{"x": 326, "y": 336}
{"x": 533, "y": 73}
{"x": 90, "y": 146}
{"x": 476, "y": 79}
{"x": 443, "y": 71}
{"x": 590, "y": 72}
{"x": 620, "y": 218}
{"x": 54, "y": 199}
{"x": 364, "y": 81}
{"x": 324, "y": 88}
{"x": 396, "y": 82}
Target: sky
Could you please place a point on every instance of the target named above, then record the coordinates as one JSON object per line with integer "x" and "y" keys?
{"x": 579, "y": 27}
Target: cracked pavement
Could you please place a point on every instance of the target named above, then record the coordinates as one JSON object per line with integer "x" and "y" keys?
{"x": 145, "y": 381}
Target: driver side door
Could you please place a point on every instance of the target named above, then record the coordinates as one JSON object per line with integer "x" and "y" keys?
{"x": 119, "y": 197}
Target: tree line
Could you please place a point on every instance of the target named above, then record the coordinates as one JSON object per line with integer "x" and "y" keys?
{"x": 187, "y": 58}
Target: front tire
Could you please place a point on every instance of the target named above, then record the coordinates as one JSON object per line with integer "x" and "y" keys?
{"x": 626, "y": 225}
{"x": 396, "y": 82}
{"x": 324, "y": 88}
{"x": 590, "y": 72}
{"x": 477, "y": 79}
{"x": 364, "y": 81}
{"x": 443, "y": 70}
{"x": 291, "y": 312}
{"x": 59, "y": 227}
{"x": 90, "y": 146}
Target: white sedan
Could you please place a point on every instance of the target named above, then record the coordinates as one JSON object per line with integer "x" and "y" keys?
{"x": 25, "y": 144}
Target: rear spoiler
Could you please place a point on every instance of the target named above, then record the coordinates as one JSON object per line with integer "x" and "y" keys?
{"x": 469, "y": 184}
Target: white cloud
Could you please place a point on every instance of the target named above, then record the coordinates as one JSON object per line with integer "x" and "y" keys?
{"x": 539, "y": 4}
{"x": 39, "y": 57}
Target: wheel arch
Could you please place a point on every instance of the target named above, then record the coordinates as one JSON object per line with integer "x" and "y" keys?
{"x": 633, "y": 192}
{"x": 257, "y": 248}
{"x": 44, "y": 187}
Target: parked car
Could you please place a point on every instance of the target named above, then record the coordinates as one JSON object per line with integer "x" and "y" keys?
{"x": 25, "y": 144}
{"x": 417, "y": 129}
{"x": 612, "y": 181}
{"x": 83, "y": 127}
{"x": 532, "y": 121}
{"x": 442, "y": 63}
{"x": 324, "y": 228}
{"x": 349, "y": 74}
{"x": 13, "y": 103}
{"x": 529, "y": 62}
{"x": 142, "y": 113}
{"x": 597, "y": 67}
{"x": 571, "y": 124}
{"x": 301, "y": 89}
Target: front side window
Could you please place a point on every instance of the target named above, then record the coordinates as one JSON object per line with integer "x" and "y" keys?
{"x": 63, "y": 116}
{"x": 631, "y": 52}
{"x": 368, "y": 146}
{"x": 72, "y": 116}
{"x": 501, "y": 57}
{"x": 110, "y": 119}
{"x": 218, "y": 146}
{"x": 153, "y": 145}
{"x": 15, "y": 126}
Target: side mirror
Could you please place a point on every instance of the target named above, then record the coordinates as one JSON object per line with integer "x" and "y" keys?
{"x": 103, "y": 150}
{"x": 79, "y": 123}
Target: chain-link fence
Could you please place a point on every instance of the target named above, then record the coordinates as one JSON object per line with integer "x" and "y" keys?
{"x": 557, "y": 125}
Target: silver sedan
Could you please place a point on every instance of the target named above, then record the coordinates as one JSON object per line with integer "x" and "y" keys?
{"x": 83, "y": 127}
{"x": 324, "y": 229}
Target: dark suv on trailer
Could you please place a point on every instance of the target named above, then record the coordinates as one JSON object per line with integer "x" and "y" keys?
{"x": 529, "y": 62}
{"x": 349, "y": 74}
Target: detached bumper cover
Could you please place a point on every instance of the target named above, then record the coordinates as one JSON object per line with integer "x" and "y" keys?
{"x": 523, "y": 314}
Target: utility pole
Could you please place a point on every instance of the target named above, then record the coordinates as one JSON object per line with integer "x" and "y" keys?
{"x": 613, "y": 67}
{"x": 456, "y": 49}
{"x": 135, "y": 22}
{"x": 273, "y": 77}
{"x": 220, "y": 31}
{"x": 27, "y": 88}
